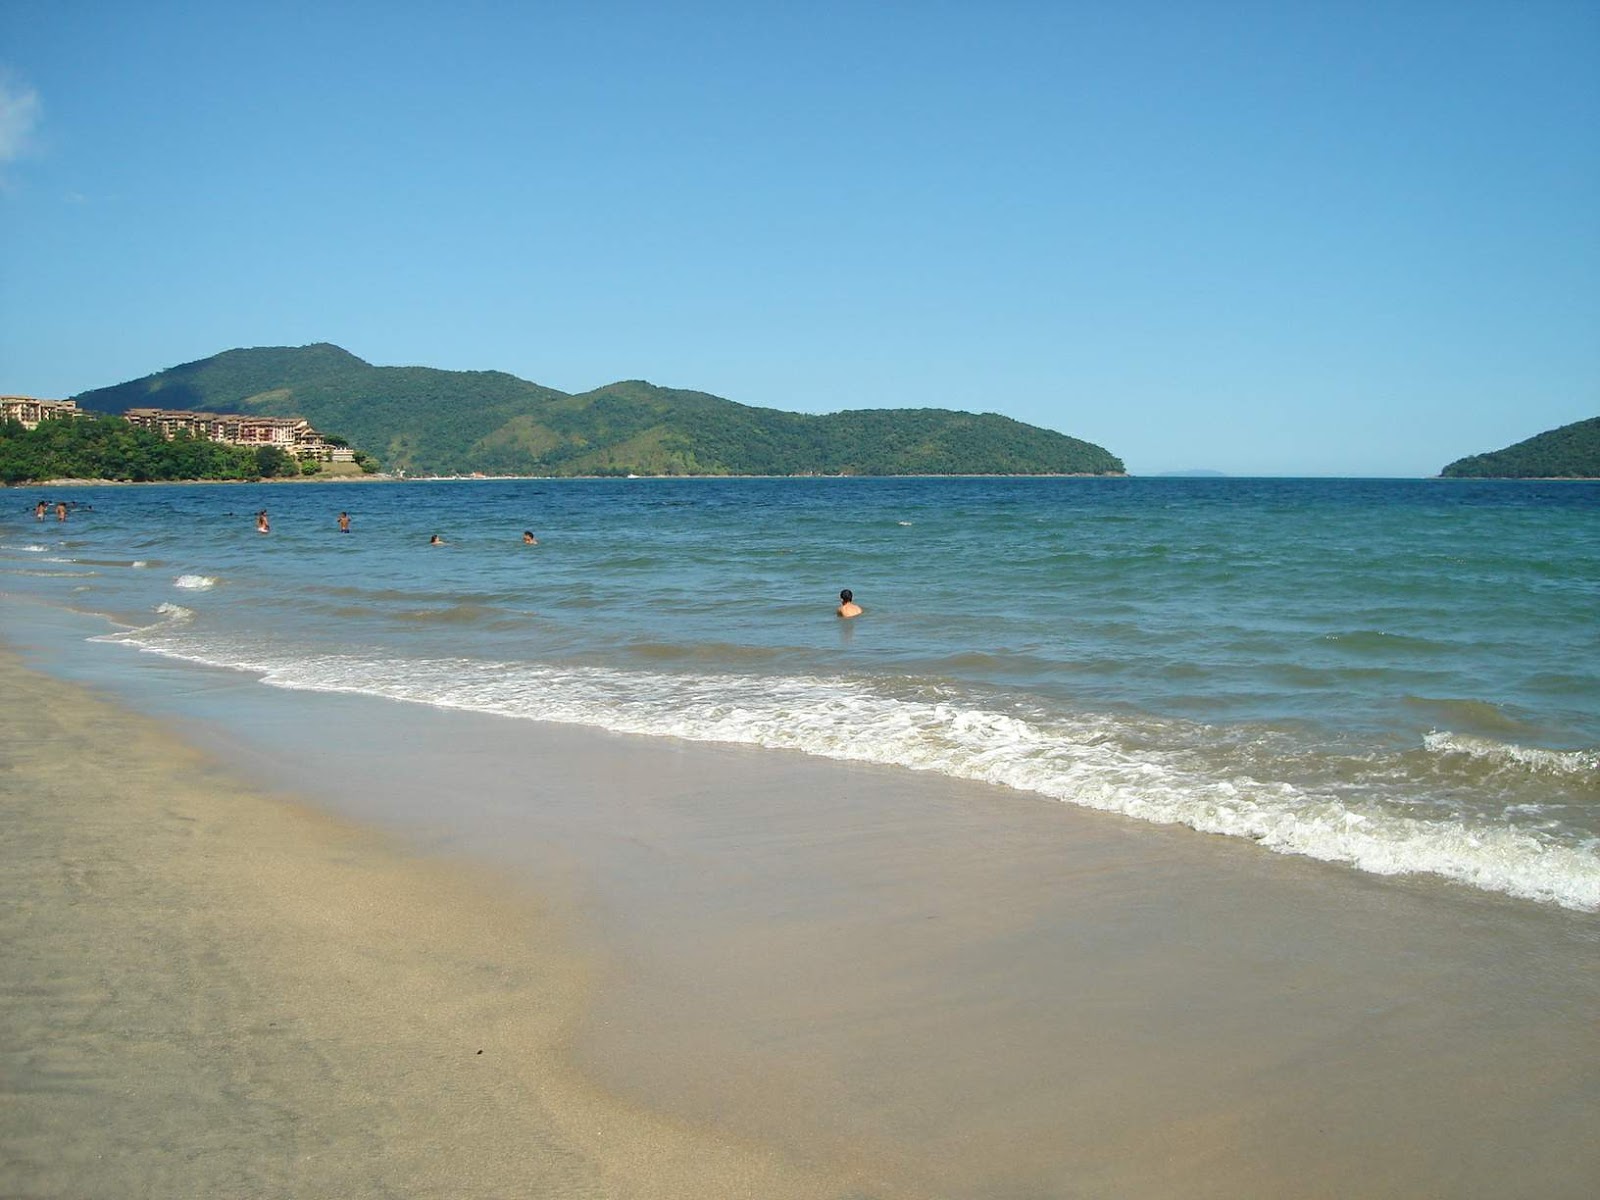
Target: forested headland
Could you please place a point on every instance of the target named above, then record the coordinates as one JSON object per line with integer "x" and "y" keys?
{"x": 1570, "y": 452}
{"x": 421, "y": 420}
{"x": 89, "y": 447}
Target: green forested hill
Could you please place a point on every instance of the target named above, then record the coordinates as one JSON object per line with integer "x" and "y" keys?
{"x": 1570, "y": 452}
{"x": 423, "y": 420}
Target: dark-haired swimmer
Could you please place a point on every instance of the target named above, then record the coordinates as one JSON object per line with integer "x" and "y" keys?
{"x": 344, "y": 522}
{"x": 436, "y": 540}
{"x": 847, "y": 604}
{"x": 528, "y": 539}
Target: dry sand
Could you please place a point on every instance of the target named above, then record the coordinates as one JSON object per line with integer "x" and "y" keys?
{"x": 209, "y": 992}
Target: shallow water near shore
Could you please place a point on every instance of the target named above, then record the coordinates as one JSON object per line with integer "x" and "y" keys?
{"x": 1399, "y": 676}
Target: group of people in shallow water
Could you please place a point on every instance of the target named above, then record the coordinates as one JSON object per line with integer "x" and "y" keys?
{"x": 264, "y": 525}
{"x": 847, "y": 609}
{"x": 527, "y": 536}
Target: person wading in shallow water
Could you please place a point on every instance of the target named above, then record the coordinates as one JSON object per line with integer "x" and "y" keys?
{"x": 344, "y": 522}
{"x": 262, "y": 524}
{"x": 847, "y": 604}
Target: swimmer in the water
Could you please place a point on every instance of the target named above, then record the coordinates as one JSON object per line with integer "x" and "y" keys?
{"x": 847, "y": 604}
{"x": 528, "y": 539}
{"x": 436, "y": 540}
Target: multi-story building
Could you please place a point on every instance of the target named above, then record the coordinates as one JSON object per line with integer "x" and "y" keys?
{"x": 293, "y": 435}
{"x": 31, "y": 411}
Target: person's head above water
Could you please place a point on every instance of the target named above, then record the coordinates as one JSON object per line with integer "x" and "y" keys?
{"x": 847, "y": 595}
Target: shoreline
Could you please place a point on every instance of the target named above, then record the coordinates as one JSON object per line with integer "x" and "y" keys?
{"x": 385, "y": 477}
{"x": 942, "y": 988}
{"x": 73, "y": 483}
{"x": 215, "y": 990}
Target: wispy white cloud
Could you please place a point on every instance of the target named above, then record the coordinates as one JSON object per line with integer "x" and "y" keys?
{"x": 20, "y": 108}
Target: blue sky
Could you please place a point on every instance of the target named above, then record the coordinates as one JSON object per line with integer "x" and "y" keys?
{"x": 1282, "y": 238}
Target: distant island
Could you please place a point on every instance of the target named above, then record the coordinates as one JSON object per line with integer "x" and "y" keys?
{"x": 420, "y": 420}
{"x": 1570, "y": 452}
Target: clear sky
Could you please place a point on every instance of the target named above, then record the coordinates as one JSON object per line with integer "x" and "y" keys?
{"x": 1262, "y": 238}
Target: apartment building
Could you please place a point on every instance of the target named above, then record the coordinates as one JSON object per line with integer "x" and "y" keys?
{"x": 292, "y": 435}
{"x": 30, "y": 411}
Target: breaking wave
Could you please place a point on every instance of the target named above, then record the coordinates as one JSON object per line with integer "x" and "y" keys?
{"x": 1572, "y": 763}
{"x": 1157, "y": 770}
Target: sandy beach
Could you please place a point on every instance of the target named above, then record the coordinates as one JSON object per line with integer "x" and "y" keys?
{"x": 707, "y": 971}
{"x": 210, "y": 992}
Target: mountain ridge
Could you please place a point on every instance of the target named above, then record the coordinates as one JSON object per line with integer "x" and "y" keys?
{"x": 428, "y": 420}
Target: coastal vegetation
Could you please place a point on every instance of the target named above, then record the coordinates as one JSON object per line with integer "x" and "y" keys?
{"x": 89, "y": 447}
{"x": 1570, "y": 452}
{"x": 422, "y": 420}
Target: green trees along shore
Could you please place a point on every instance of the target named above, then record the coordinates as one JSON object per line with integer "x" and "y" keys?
{"x": 88, "y": 447}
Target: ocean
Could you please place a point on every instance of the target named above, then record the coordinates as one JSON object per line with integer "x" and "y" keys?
{"x": 1402, "y": 676}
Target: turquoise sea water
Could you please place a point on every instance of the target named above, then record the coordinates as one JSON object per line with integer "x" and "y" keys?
{"x": 1403, "y": 676}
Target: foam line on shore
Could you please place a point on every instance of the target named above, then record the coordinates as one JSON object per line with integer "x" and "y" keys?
{"x": 1160, "y": 771}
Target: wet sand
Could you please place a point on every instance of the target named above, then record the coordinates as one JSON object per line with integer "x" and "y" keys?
{"x": 758, "y": 974}
{"x": 212, "y": 992}
{"x": 959, "y": 991}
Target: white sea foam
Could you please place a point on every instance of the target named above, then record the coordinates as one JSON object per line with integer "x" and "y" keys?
{"x": 1149, "y": 771}
{"x": 138, "y": 563}
{"x": 194, "y": 582}
{"x": 176, "y": 612}
{"x": 36, "y": 549}
{"x": 1547, "y": 762}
